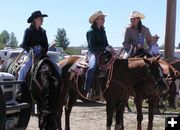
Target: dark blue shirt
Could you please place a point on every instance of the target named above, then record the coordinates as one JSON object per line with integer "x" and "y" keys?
{"x": 96, "y": 39}
{"x": 34, "y": 37}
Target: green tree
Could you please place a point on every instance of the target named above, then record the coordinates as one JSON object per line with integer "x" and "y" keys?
{"x": 4, "y": 37}
{"x": 12, "y": 41}
{"x": 61, "y": 39}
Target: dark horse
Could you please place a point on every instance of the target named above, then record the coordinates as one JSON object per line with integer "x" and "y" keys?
{"x": 45, "y": 86}
{"x": 121, "y": 77}
{"x": 170, "y": 71}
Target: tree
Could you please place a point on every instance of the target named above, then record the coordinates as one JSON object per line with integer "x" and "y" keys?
{"x": 12, "y": 41}
{"x": 61, "y": 38}
{"x": 4, "y": 37}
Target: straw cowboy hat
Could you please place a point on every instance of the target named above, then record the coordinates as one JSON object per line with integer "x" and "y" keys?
{"x": 136, "y": 14}
{"x": 52, "y": 43}
{"x": 93, "y": 17}
{"x": 36, "y": 14}
{"x": 156, "y": 36}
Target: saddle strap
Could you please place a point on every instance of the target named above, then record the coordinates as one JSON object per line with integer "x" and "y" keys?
{"x": 39, "y": 64}
{"x": 109, "y": 64}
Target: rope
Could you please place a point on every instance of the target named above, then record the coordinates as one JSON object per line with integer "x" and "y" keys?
{"x": 101, "y": 94}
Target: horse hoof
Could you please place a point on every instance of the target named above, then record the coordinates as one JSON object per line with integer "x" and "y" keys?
{"x": 108, "y": 128}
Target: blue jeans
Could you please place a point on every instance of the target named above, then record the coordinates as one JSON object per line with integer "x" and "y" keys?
{"x": 91, "y": 71}
{"x": 27, "y": 65}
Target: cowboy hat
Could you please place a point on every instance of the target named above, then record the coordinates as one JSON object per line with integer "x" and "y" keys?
{"x": 36, "y": 14}
{"x": 136, "y": 14}
{"x": 93, "y": 17}
{"x": 156, "y": 36}
{"x": 52, "y": 43}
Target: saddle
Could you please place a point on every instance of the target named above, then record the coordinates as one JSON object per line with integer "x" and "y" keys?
{"x": 21, "y": 59}
{"x": 80, "y": 67}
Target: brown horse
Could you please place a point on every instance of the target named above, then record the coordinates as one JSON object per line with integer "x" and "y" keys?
{"x": 170, "y": 71}
{"x": 117, "y": 92}
{"x": 67, "y": 91}
{"x": 45, "y": 85}
{"x": 173, "y": 98}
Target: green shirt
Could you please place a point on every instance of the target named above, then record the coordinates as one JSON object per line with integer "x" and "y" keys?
{"x": 96, "y": 39}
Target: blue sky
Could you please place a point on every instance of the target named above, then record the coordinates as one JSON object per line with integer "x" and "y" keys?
{"x": 73, "y": 16}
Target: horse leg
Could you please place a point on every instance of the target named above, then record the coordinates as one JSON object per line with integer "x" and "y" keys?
{"x": 59, "y": 117}
{"x": 119, "y": 116}
{"x": 138, "y": 102}
{"x": 68, "y": 108}
{"x": 110, "y": 106}
{"x": 151, "y": 114}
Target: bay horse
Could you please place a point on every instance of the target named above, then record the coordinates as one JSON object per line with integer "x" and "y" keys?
{"x": 170, "y": 71}
{"x": 117, "y": 92}
{"x": 45, "y": 85}
{"x": 175, "y": 63}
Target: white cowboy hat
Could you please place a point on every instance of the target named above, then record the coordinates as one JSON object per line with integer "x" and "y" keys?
{"x": 52, "y": 43}
{"x": 93, "y": 17}
{"x": 136, "y": 14}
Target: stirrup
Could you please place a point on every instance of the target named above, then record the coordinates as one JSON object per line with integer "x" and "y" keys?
{"x": 88, "y": 96}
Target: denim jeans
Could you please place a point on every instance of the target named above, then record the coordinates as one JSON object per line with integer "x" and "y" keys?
{"x": 91, "y": 71}
{"x": 27, "y": 65}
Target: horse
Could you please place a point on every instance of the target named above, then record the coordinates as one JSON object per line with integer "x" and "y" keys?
{"x": 116, "y": 90}
{"x": 45, "y": 85}
{"x": 170, "y": 72}
{"x": 68, "y": 91}
{"x": 175, "y": 63}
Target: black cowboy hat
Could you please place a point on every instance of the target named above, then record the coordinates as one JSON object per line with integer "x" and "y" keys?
{"x": 36, "y": 14}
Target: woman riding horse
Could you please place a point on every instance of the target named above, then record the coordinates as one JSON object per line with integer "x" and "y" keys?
{"x": 116, "y": 94}
{"x": 35, "y": 38}
{"x": 137, "y": 35}
{"x": 97, "y": 41}
{"x": 45, "y": 80}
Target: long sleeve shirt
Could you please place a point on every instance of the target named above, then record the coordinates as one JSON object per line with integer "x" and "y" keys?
{"x": 132, "y": 35}
{"x": 34, "y": 37}
{"x": 96, "y": 39}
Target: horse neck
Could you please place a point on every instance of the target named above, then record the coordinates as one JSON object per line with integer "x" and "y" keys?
{"x": 132, "y": 69}
{"x": 136, "y": 64}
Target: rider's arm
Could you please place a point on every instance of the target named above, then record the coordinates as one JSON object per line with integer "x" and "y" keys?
{"x": 26, "y": 40}
{"x": 91, "y": 40}
{"x": 126, "y": 43}
{"x": 106, "y": 41}
{"x": 45, "y": 42}
{"x": 149, "y": 38}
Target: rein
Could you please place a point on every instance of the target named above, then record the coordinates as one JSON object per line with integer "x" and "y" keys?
{"x": 108, "y": 66}
{"x": 107, "y": 84}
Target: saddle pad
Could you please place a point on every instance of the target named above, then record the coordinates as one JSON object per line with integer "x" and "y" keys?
{"x": 79, "y": 67}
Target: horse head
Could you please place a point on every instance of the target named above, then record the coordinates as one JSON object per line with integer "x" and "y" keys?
{"x": 157, "y": 72}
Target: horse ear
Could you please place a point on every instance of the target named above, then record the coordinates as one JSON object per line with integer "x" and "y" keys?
{"x": 157, "y": 57}
{"x": 147, "y": 61}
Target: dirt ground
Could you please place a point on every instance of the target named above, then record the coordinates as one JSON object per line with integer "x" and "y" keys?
{"x": 92, "y": 116}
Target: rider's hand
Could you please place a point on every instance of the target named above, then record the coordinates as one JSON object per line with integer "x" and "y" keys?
{"x": 139, "y": 47}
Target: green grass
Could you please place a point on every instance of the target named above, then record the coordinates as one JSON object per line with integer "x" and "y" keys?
{"x": 145, "y": 105}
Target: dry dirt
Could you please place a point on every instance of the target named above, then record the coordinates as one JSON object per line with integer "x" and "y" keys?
{"x": 92, "y": 116}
